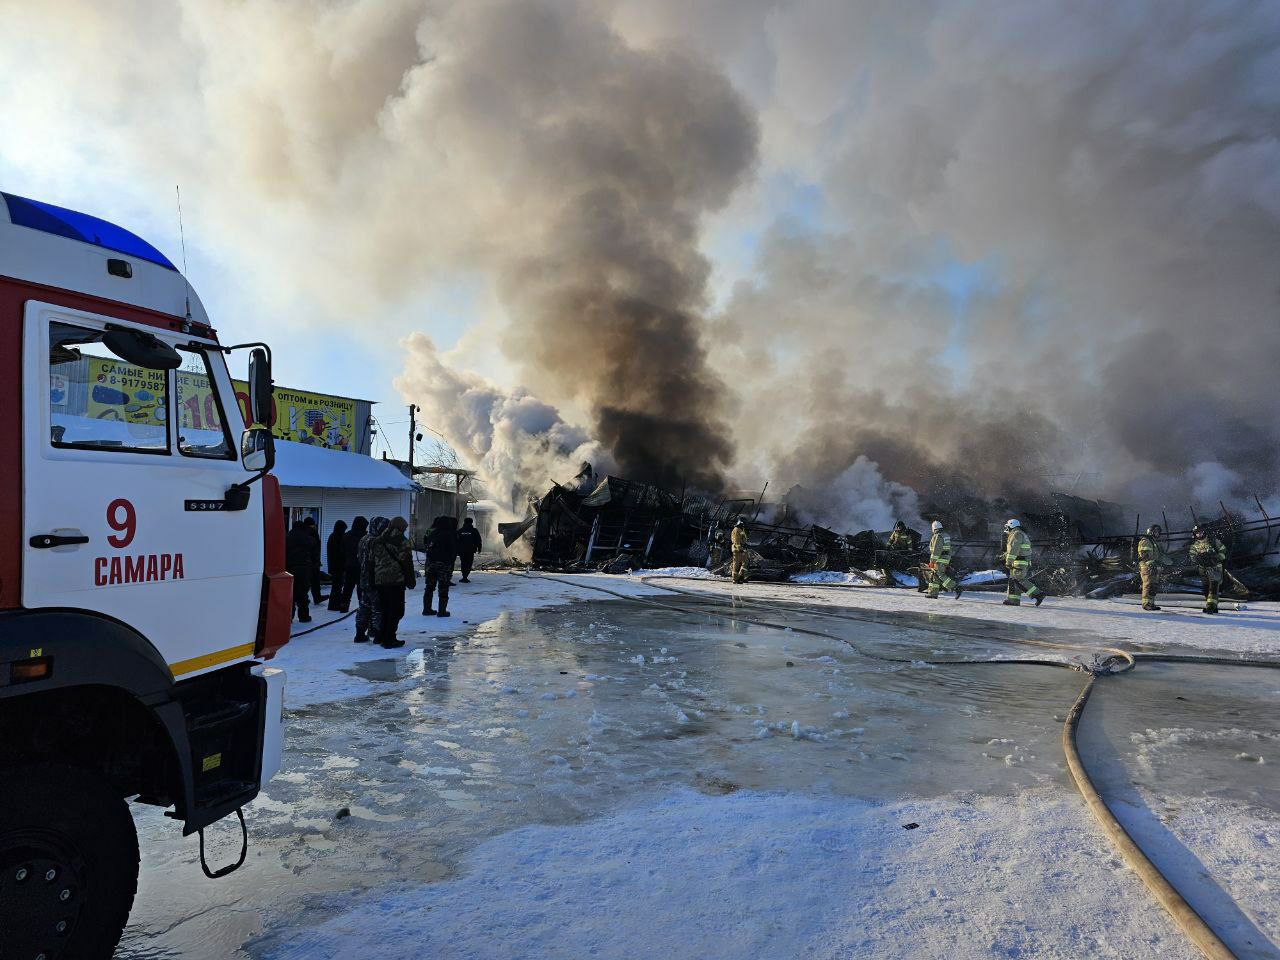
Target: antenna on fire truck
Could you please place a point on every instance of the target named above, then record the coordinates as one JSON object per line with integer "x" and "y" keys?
{"x": 182, "y": 237}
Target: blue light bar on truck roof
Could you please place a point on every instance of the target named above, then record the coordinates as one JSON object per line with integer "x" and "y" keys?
{"x": 80, "y": 226}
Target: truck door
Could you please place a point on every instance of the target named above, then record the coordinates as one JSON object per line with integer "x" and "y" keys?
{"x": 125, "y": 470}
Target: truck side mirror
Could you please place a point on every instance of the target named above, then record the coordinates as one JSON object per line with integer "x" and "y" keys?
{"x": 260, "y": 389}
{"x": 257, "y": 449}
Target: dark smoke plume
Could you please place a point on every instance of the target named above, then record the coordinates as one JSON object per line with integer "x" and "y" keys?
{"x": 606, "y": 304}
{"x": 1105, "y": 174}
{"x": 377, "y": 146}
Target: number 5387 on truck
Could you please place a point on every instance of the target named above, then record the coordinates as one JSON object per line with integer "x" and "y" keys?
{"x": 142, "y": 581}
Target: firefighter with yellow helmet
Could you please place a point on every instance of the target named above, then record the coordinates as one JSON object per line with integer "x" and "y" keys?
{"x": 738, "y": 541}
{"x": 1152, "y": 558}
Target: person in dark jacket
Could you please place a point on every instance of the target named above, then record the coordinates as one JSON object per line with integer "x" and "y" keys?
{"x": 468, "y": 546}
{"x": 350, "y": 562}
{"x": 369, "y": 613}
{"x": 300, "y": 558}
{"x": 441, "y": 546}
{"x": 310, "y": 524}
{"x": 391, "y": 556}
{"x": 335, "y": 556}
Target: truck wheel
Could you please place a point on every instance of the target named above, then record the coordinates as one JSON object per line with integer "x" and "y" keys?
{"x": 68, "y": 863}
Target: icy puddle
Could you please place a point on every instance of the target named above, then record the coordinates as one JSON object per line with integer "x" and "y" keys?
{"x": 586, "y": 713}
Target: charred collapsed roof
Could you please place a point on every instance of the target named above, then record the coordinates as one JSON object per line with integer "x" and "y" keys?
{"x": 1082, "y": 546}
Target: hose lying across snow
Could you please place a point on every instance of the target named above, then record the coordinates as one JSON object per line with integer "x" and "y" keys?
{"x": 1183, "y": 913}
{"x": 1117, "y": 661}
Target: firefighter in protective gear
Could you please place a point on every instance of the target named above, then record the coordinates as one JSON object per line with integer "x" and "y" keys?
{"x": 898, "y": 548}
{"x": 1209, "y": 555}
{"x": 715, "y": 548}
{"x": 1152, "y": 558}
{"x": 738, "y": 541}
{"x": 939, "y": 561}
{"x": 1017, "y": 561}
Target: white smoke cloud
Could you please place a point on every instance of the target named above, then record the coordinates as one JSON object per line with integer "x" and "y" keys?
{"x": 519, "y": 445}
{"x": 1212, "y": 484}
{"x": 859, "y": 498}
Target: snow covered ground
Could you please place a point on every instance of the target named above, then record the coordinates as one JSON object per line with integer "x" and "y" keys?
{"x": 555, "y": 772}
{"x": 1256, "y": 629}
{"x": 774, "y": 876}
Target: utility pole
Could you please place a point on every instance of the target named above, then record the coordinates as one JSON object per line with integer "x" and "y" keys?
{"x": 413, "y": 429}
{"x": 413, "y": 503}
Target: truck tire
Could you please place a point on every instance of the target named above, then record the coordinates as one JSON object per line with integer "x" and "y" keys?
{"x": 68, "y": 863}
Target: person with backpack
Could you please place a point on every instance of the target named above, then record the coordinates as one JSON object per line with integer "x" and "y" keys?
{"x": 369, "y": 612}
{"x": 393, "y": 574}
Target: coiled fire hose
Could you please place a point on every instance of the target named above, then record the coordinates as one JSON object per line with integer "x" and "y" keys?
{"x": 1117, "y": 661}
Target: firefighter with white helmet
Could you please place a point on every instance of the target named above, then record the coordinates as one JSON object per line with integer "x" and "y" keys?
{"x": 939, "y": 561}
{"x": 1017, "y": 561}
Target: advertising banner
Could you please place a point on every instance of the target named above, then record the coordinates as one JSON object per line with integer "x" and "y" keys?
{"x": 120, "y": 391}
{"x": 312, "y": 418}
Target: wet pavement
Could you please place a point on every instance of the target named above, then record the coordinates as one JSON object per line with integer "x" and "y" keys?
{"x": 560, "y": 715}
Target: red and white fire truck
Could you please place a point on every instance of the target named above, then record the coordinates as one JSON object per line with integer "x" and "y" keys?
{"x": 142, "y": 581}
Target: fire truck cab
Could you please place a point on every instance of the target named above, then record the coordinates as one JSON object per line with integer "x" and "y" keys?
{"x": 142, "y": 582}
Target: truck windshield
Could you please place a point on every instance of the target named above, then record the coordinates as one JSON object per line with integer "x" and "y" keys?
{"x": 98, "y": 400}
{"x": 202, "y": 421}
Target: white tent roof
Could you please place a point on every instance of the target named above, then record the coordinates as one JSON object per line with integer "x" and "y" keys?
{"x": 304, "y": 465}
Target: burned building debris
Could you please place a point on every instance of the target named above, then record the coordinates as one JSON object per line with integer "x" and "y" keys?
{"x": 1082, "y": 547}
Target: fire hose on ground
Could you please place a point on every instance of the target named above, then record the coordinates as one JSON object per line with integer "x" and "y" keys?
{"x": 1117, "y": 661}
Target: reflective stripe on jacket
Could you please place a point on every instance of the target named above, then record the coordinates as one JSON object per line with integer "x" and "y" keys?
{"x": 1017, "y": 548}
{"x": 1150, "y": 551}
{"x": 1208, "y": 552}
{"x": 900, "y": 541}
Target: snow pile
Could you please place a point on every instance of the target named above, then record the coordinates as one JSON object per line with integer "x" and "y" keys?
{"x": 829, "y": 576}
{"x": 683, "y": 878}
{"x": 983, "y": 576}
{"x": 701, "y": 573}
